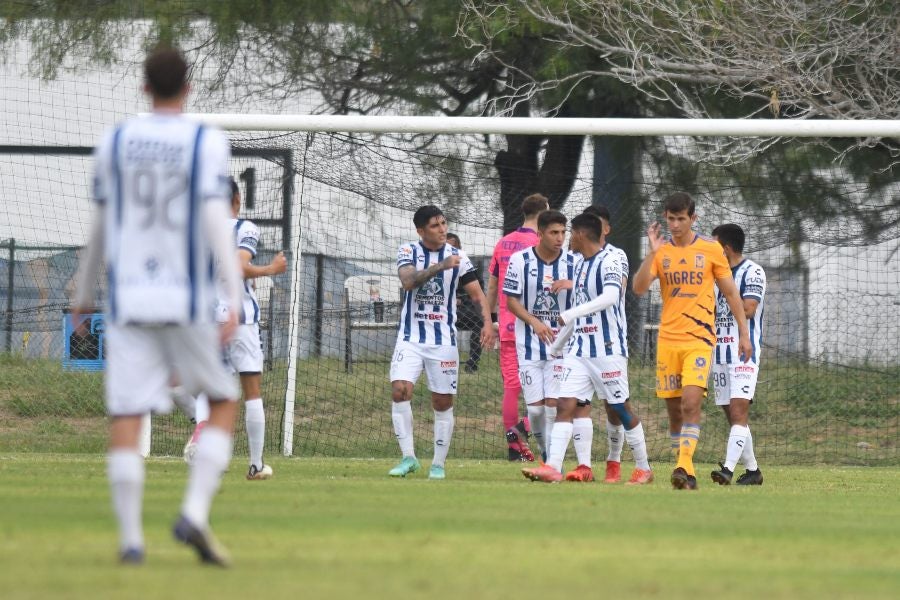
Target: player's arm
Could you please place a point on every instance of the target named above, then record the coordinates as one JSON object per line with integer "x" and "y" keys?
{"x": 473, "y": 289}
{"x": 645, "y": 274}
{"x": 492, "y": 287}
{"x": 214, "y": 216}
{"x": 88, "y": 270}
{"x": 606, "y": 299}
{"x": 411, "y": 279}
{"x": 750, "y": 306}
{"x": 736, "y": 304}
{"x": 251, "y": 271}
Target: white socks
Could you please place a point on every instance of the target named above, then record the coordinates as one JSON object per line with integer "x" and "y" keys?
{"x": 583, "y": 436}
{"x": 401, "y": 415}
{"x": 255, "y": 419}
{"x": 212, "y": 458}
{"x": 737, "y": 438}
{"x": 125, "y": 470}
{"x": 201, "y": 409}
{"x": 549, "y": 420}
{"x": 747, "y": 456}
{"x": 443, "y": 432}
{"x": 635, "y": 439}
{"x": 615, "y": 438}
{"x": 536, "y": 414}
{"x": 559, "y": 442}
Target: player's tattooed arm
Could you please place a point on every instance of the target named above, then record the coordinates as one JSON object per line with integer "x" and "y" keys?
{"x": 411, "y": 279}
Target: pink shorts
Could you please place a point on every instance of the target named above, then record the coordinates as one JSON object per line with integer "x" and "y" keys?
{"x": 509, "y": 364}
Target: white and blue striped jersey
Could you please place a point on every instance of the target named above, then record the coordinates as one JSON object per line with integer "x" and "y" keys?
{"x": 529, "y": 279}
{"x": 750, "y": 279}
{"x": 428, "y": 313}
{"x": 246, "y": 237}
{"x": 623, "y": 265}
{"x": 152, "y": 174}
{"x": 603, "y": 333}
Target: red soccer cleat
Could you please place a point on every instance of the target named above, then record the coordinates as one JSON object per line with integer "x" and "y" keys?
{"x": 581, "y": 473}
{"x": 544, "y": 473}
{"x": 613, "y": 472}
{"x": 640, "y": 477}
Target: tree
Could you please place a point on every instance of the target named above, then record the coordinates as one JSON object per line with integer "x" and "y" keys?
{"x": 787, "y": 58}
{"x": 356, "y": 54}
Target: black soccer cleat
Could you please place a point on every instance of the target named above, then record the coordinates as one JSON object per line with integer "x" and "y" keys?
{"x": 203, "y": 542}
{"x": 751, "y": 478}
{"x": 517, "y": 433}
{"x": 722, "y": 475}
{"x": 682, "y": 481}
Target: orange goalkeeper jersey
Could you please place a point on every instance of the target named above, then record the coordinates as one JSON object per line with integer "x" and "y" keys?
{"x": 687, "y": 276}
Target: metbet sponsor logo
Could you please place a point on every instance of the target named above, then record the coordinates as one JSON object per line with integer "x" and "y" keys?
{"x": 611, "y": 374}
{"x": 446, "y": 364}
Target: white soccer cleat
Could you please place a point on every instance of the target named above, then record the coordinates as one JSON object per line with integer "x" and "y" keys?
{"x": 255, "y": 474}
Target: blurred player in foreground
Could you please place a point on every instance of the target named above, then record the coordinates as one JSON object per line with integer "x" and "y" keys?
{"x": 161, "y": 192}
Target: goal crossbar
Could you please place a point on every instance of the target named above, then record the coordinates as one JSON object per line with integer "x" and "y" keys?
{"x": 554, "y": 126}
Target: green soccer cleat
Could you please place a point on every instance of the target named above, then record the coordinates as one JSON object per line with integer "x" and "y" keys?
{"x": 408, "y": 465}
{"x": 436, "y": 472}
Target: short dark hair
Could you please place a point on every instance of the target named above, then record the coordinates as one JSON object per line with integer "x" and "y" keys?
{"x": 730, "y": 235}
{"x": 549, "y": 217}
{"x": 424, "y": 214}
{"x": 165, "y": 72}
{"x": 534, "y": 204}
{"x": 590, "y": 224}
{"x": 679, "y": 202}
{"x": 234, "y": 187}
{"x": 455, "y": 237}
{"x": 598, "y": 210}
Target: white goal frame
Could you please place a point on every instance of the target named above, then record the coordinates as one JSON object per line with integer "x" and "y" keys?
{"x": 784, "y": 128}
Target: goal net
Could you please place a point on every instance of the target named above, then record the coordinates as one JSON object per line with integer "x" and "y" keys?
{"x": 337, "y": 197}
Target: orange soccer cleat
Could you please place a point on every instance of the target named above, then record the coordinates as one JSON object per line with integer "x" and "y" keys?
{"x": 640, "y": 477}
{"x": 613, "y": 472}
{"x": 581, "y": 473}
{"x": 544, "y": 473}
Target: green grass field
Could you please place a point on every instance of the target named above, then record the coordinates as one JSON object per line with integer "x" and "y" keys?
{"x": 333, "y": 528}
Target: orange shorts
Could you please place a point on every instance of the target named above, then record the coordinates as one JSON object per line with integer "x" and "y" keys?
{"x": 681, "y": 365}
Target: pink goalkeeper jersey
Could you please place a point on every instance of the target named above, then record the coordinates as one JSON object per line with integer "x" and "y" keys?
{"x": 509, "y": 244}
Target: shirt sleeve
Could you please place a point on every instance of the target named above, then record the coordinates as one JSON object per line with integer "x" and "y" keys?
{"x": 514, "y": 279}
{"x": 720, "y": 266}
{"x": 215, "y": 151}
{"x": 248, "y": 237}
{"x": 754, "y": 283}
{"x": 102, "y": 182}
{"x": 465, "y": 264}
{"x": 494, "y": 268}
{"x": 611, "y": 271}
{"x": 405, "y": 256}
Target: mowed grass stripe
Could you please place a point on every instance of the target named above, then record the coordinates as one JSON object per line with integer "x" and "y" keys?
{"x": 342, "y": 528}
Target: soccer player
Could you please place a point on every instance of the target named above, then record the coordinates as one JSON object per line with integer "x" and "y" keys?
{"x": 534, "y": 297}
{"x": 596, "y": 360}
{"x": 615, "y": 431}
{"x": 687, "y": 266}
{"x": 430, "y": 271}
{"x": 161, "y": 192}
{"x": 523, "y": 237}
{"x": 244, "y": 351}
{"x": 734, "y": 383}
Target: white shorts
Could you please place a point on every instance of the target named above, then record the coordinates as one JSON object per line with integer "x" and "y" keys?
{"x": 441, "y": 365}
{"x": 141, "y": 361}
{"x": 244, "y": 351}
{"x": 540, "y": 379}
{"x": 605, "y": 375}
{"x": 734, "y": 381}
